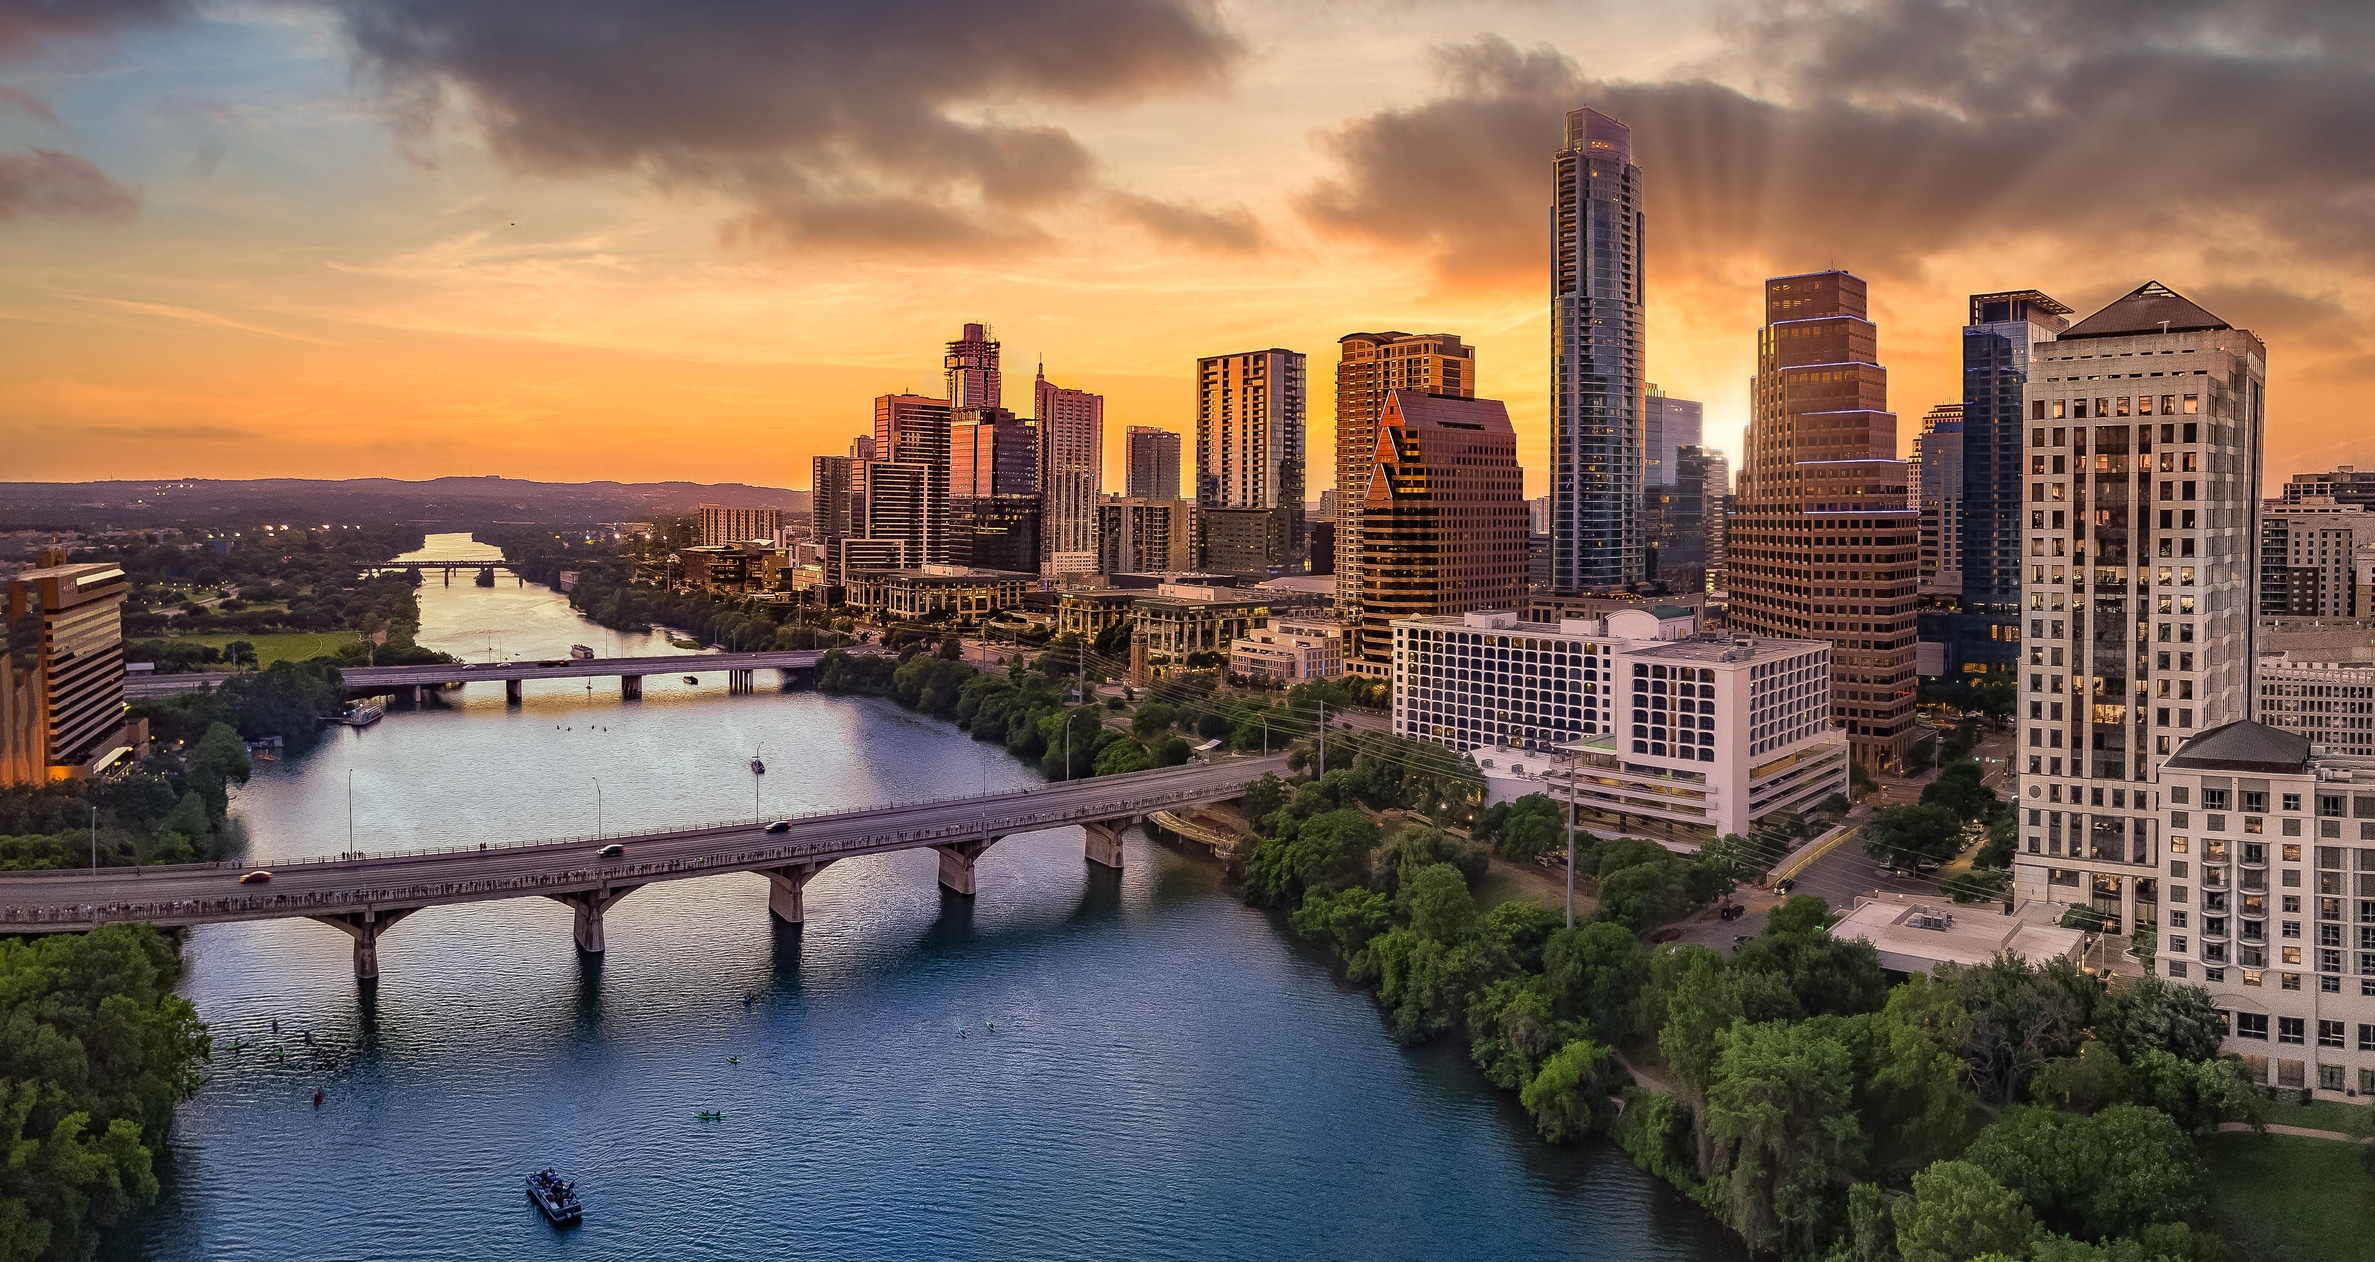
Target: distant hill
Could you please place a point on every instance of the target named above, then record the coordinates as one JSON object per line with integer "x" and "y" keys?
{"x": 437, "y": 504}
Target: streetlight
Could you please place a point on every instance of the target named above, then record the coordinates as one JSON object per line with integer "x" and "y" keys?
{"x": 597, "y": 810}
{"x": 757, "y": 769}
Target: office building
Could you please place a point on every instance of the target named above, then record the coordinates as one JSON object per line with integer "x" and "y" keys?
{"x": 899, "y": 508}
{"x": 2269, "y": 869}
{"x": 2345, "y": 485}
{"x": 1719, "y": 518}
{"x": 1291, "y": 650}
{"x": 971, "y": 362}
{"x": 837, "y": 500}
{"x": 994, "y": 507}
{"x": 1938, "y": 472}
{"x": 1071, "y": 474}
{"x": 2139, "y": 556}
{"x": 1677, "y": 520}
{"x": 1370, "y": 366}
{"x": 855, "y": 555}
{"x": 1703, "y": 735}
{"x": 954, "y": 592}
{"x": 912, "y": 431}
{"x": 724, "y": 523}
{"x": 2316, "y": 558}
{"x": 2327, "y": 703}
{"x": 1249, "y": 459}
{"x": 1597, "y": 440}
{"x": 65, "y": 716}
{"x": 1443, "y": 512}
{"x": 1822, "y": 542}
{"x": 2007, "y": 331}
{"x": 1668, "y": 425}
{"x": 1177, "y": 619}
{"x": 1152, "y": 463}
{"x": 1142, "y": 536}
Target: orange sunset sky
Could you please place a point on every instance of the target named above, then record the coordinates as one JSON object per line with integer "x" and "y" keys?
{"x": 636, "y": 241}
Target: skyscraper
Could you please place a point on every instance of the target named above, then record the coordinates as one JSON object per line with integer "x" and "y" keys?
{"x": 1823, "y": 540}
{"x": 1938, "y": 475}
{"x": 837, "y": 505}
{"x": 1668, "y": 425}
{"x": 898, "y": 510}
{"x": 1597, "y": 439}
{"x": 1152, "y": 463}
{"x": 2139, "y": 565}
{"x": 1370, "y": 366}
{"x": 68, "y": 711}
{"x": 1071, "y": 474}
{"x": 994, "y": 508}
{"x": 1678, "y": 519}
{"x": 1444, "y": 510}
{"x": 972, "y": 364}
{"x": 1717, "y": 471}
{"x": 912, "y": 430}
{"x": 1249, "y": 459}
{"x": 2007, "y": 330}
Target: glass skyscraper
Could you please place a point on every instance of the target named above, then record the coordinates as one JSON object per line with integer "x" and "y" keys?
{"x": 1597, "y": 439}
{"x": 1983, "y": 634}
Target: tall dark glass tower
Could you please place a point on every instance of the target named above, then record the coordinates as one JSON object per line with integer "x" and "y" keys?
{"x": 1597, "y": 438}
{"x": 1983, "y": 634}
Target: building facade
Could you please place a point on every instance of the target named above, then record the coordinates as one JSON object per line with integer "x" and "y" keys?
{"x": 1668, "y": 425}
{"x": 2345, "y": 485}
{"x": 956, "y": 592}
{"x": 1677, "y": 519}
{"x": 1938, "y": 471}
{"x": 1151, "y": 463}
{"x": 1370, "y": 366}
{"x": 899, "y": 507}
{"x": 2329, "y": 704}
{"x": 1706, "y": 734}
{"x": 1071, "y": 472}
{"x": 994, "y": 505}
{"x": 2140, "y": 557}
{"x": 2269, "y": 869}
{"x": 64, "y": 717}
{"x": 1823, "y": 537}
{"x": 725, "y": 523}
{"x": 1442, "y": 502}
{"x": 1182, "y": 618}
{"x": 1249, "y": 458}
{"x": 912, "y": 432}
{"x": 2005, "y": 333}
{"x": 1597, "y": 438}
{"x": 1142, "y": 536}
{"x": 2317, "y": 559}
{"x": 1290, "y": 651}
{"x": 837, "y": 506}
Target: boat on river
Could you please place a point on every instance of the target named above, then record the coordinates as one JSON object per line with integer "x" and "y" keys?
{"x": 556, "y": 1196}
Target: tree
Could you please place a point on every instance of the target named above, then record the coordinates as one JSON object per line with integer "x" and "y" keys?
{"x": 1958, "y": 789}
{"x": 1436, "y": 900}
{"x": 1780, "y": 1110}
{"x": 1827, "y": 975}
{"x": 1425, "y": 985}
{"x": 1596, "y": 972}
{"x": 2019, "y": 1018}
{"x": 1346, "y": 920}
{"x": 1511, "y": 1028}
{"x": 2152, "y": 1013}
{"x": 2091, "y": 1177}
{"x": 1958, "y": 1212}
{"x": 1327, "y": 852}
{"x": 1530, "y": 826}
{"x": 1905, "y": 834}
{"x": 1570, "y": 1096}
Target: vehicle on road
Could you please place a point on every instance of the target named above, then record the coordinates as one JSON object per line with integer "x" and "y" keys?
{"x": 257, "y": 877}
{"x": 780, "y": 826}
{"x": 1785, "y": 885}
{"x": 611, "y": 851}
{"x": 579, "y": 652}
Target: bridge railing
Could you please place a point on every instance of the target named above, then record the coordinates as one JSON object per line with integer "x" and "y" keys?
{"x": 421, "y": 893}
{"x": 220, "y": 865}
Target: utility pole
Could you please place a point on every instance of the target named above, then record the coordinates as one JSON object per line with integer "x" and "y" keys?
{"x": 1572, "y": 756}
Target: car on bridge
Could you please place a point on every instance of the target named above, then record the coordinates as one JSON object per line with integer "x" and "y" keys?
{"x": 257, "y": 877}
{"x": 611, "y": 851}
{"x": 780, "y": 826}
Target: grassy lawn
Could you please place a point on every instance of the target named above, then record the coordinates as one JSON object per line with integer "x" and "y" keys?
{"x": 2324, "y": 1115}
{"x": 2283, "y": 1197}
{"x": 1506, "y": 882}
{"x": 292, "y": 646}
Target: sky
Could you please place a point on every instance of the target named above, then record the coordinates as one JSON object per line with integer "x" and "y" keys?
{"x": 607, "y": 239}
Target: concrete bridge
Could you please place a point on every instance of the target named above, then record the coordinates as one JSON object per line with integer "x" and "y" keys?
{"x": 407, "y": 681}
{"x": 363, "y": 897}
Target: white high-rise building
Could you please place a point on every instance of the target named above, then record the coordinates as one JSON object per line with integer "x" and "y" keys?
{"x": 1249, "y": 459}
{"x": 2142, "y": 473}
{"x": 1071, "y": 474}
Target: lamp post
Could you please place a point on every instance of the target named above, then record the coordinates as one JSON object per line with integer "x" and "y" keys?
{"x": 1573, "y": 755}
{"x": 597, "y": 810}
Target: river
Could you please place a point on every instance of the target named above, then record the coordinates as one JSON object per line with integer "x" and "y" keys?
{"x": 1170, "y": 1076}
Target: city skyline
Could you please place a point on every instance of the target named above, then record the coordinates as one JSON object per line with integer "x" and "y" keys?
{"x": 297, "y": 267}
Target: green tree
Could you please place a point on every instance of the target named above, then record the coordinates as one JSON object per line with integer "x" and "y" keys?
{"x": 1958, "y": 789}
{"x": 1436, "y": 901}
{"x": 2090, "y": 1177}
{"x": 1904, "y": 834}
{"x": 1871, "y": 1233}
{"x": 1825, "y": 974}
{"x": 1780, "y": 1110}
{"x": 1511, "y": 1028}
{"x": 1346, "y": 919}
{"x": 1570, "y": 1096}
{"x": 2152, "y": 1013}
{"x": 1596, "y": 971}
{"x": 1327, "y": 852}
{"x": 1957, "y": 1212}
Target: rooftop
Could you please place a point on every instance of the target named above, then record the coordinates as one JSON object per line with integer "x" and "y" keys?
{"x": 1915, "y": 936}
{"x": 2151, "y": 307}
{"x": 2243, "y": 746}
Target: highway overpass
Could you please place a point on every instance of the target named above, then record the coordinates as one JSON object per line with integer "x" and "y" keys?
{"x": 363, "y": 896}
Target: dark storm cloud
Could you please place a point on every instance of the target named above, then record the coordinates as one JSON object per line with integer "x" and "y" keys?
{"x": 868, "y": 124}
{"x": 1882, "y": 132}
{"x": 47, "y": 184}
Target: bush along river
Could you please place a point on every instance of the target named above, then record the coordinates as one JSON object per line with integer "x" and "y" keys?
{"x": 1075, "y": 1063}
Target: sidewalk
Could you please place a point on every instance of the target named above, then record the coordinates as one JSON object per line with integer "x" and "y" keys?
{"x": 2305, "y": 1132}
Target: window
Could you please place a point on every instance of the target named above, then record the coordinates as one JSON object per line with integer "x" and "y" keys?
{"x": 2251, "y": 1025}
{"x": 2329, "y": 1033}
{"x": 2291, "y": 1030}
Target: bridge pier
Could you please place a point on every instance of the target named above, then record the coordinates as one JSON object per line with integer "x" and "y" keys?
{"x": 1104, "y": 844}
{"x": 956, "y": 864}
{"x": 589, "y": 906}
{"x": 412, "y": 695}
{"x": 365, "y": 927}
{"x": 784, "y": 885}
{"x": 630, "y": 687}
{"x": 511, "y": 692}
{"x": 740, "y": 681}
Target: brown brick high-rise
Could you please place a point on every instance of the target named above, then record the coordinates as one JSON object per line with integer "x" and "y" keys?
{"x": 1373, "y": 365}
{"x": 1444, "y": 516}
{"x": 1823, "y": 538}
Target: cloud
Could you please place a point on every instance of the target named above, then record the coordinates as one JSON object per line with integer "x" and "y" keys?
{"x": 1880, "y": 133}
{"x": 1230, "y": 231}
{"x": 48, "y": 184}
{"x": 31, "y": 105}
{"x": 29, "y": 27}
{"x": 881, "y": 125}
